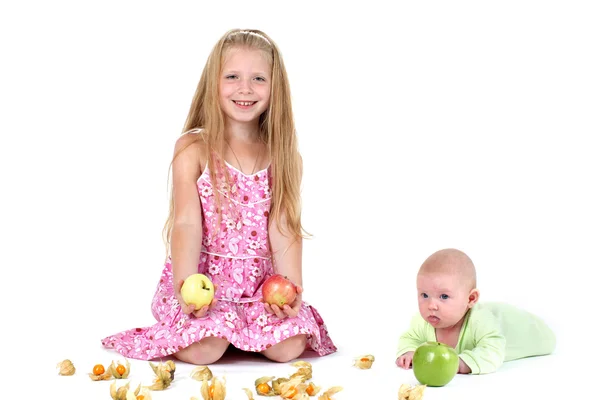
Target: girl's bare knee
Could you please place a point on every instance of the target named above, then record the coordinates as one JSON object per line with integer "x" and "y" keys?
{"x": 287, "y": 350}
{"x": 204, "y": 352}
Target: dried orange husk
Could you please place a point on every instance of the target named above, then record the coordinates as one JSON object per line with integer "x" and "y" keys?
{"x": 65, "y": 368}
{"x": 168, "y": 366}
{"x": 164, "y": 375}
{"x": 113, "y": 370}
{"x": 404, "y": 391}
{"x": 364, "y": 362}
{"x": 130, "y": 396}
{"x": 302, "y": 364}
{"x": 330, "y": 392}
{"x": 293, "y": 389}
{"x": 201, "y": 373}
{"x": 143, "y": 394}
{"x": 312, "y": 389}
{"x": 215, "y": 390}
{"x": 417, "y": 392}
{"x": 265, "y": 380}
{"x": 304, "y": 370}
{"x": 113, "y": 389}
{"x": 277, "y": 384}
{"x": 103, "y": 377}
{"x": 121, "y": 393}
{"x": 161, "y": 381}
{"x": 248, "y": 393}
{"x": 407, "y": 392}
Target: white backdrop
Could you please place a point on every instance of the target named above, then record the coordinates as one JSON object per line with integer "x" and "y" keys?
{"x": 436, "y": 124}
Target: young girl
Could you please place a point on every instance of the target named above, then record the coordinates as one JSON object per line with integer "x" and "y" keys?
{"x": 235, "y": 217}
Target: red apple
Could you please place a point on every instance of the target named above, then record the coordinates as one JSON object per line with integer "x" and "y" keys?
{"x": 279, "y": 290}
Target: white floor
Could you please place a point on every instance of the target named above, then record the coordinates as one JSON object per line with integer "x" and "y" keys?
{"x": 461, "y": 124}
{"x": 550, "y": 377}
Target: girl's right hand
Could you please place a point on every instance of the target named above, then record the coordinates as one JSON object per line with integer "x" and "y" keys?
{"x": 190, "y": 308}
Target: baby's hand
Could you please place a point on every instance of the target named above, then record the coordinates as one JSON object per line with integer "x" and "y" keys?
{"x": 291, "y": 310}
{"x": 191, "y": 308}
{"x": 405, "y": 360}
{"x": 463, "y": 368}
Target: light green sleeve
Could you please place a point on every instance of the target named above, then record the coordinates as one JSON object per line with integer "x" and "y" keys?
{"x": 413, "y": 337}
{"x": 483, "y": 345}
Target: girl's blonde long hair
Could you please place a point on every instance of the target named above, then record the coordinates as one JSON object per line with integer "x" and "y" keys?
{"x": 276, "y": 129}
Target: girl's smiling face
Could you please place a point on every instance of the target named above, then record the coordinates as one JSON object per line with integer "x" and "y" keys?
{"x": 244, "y": 85}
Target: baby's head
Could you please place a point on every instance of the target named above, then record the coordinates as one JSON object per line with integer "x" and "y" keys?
{"x": 447, "y": 288}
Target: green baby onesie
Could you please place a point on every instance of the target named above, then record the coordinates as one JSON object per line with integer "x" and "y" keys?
{"x": 491, "y": 334}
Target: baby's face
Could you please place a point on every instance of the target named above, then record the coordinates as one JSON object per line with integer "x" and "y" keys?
{"x": 443, "y": 299}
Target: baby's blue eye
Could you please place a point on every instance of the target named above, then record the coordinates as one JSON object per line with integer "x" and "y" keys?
{"x": 444, "y": 297}
{"x": 424, "y": 295}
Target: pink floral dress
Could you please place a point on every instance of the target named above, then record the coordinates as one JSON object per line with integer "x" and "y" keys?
{"x": 237, "y": 259}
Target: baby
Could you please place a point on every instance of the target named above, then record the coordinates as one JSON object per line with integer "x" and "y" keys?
{"x": 483, "y": 334}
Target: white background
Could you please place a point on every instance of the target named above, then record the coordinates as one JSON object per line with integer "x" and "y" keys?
{"x": 430, "y": 125}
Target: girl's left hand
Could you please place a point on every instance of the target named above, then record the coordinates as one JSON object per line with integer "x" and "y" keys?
{"x": 291, "y": 310}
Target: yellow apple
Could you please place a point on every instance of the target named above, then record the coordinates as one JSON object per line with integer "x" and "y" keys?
{"x": 198, "y": 290}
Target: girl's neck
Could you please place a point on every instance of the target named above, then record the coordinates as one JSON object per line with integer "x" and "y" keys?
{"x": 242, "y": 132}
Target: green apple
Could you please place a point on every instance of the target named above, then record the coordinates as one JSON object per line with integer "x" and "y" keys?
{"x": 435, "y": 364}
{"x": 198, "y": 290}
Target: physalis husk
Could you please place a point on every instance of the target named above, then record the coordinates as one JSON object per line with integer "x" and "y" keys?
{"x": 122, "y": 392}
{"x": 364, "y": 362}
{"x": 330, "y": 392}
{"x": 215, "y": 390}
{"x": 201, "y": 373}
{"x": 293, "y": 389}
{"x": 119, "y": 371}
{"x": 65, "y": 368}
{"x": 312, "y": 389}
{"x": 277, "y": 384}
{"x": 304, "y": 370}
{"x": 144, "y": 394}
{"x": 263, "y": 388}
{"x": 99, "y": 373}
{"x": 407, "y": 392}
{"x": 164, "y": 375}
{"x": 296, "y": 387}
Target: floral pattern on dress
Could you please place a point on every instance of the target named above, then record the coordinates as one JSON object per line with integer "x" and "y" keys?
{"x": 236, "y": 257}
